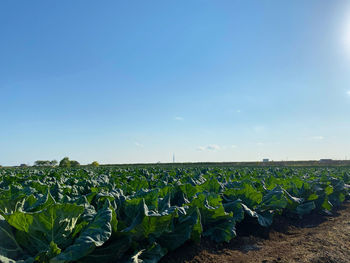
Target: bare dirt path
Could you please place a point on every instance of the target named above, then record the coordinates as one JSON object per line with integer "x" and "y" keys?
{"x": 314, "y": 239}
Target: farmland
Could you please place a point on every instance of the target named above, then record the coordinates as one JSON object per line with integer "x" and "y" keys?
{"x": 140, "y": 214}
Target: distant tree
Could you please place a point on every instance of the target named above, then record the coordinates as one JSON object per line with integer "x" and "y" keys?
{"x": 94, "y": 163}
{"x": 38, "y": 163}
{"x": 23, "y": 165}
{"x": 53, "y": 163}
{"x": 74, "y": 163}
{"x": 65, "y": 162}
{"x": 45, "y": 163}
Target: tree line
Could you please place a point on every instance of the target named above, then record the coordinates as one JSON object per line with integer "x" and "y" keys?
{"x": 65, "y": 162}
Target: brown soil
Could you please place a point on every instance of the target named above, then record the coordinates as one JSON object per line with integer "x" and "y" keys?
{"x": 314, "y": 239}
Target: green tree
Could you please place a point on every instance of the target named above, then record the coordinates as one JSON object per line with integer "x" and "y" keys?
{"x": 94, "y": 163}
{"x": 65, "y": 162}
{"x": 53, "y": 163}
{"x": 45, "y": 163}
{"x": 42, "y": 163}
{"x": 74, "y": 163}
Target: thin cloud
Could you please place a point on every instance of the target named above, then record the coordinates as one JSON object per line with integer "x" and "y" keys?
{"x": 317, "y": 138}
{"x": 210, "y": 147}
{"x": 238, "y": 111}
{"x": 138, "y": 144}
{"x": 178, "y": 118}
{"x": 213, "y": 147}
{"x": 200, "y": 148}
{"x": 228, "y": 147}
{"x": 259, "y": 128}
{"x": 348, "y": 92}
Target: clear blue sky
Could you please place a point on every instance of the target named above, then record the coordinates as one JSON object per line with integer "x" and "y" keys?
{"x": 136, "y": 81}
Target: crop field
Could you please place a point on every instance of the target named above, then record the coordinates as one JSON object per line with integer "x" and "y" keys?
{"x": 140, "y": 214}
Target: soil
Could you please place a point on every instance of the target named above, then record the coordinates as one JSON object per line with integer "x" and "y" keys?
{"x": 313, "y": 239}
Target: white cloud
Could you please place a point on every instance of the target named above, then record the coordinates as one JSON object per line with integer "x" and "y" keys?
{"x": 138, "y": 144}
{"x": 178, "y": 118}
{"x": 228, "y": 147}
{"x": 260, "y": 144}
{"x": 238, "y": 111}
{"x": 348, "y": 92}
{"x": 317, "y": 137}
{"x": 210, "y": 147}
{"x": 213, "y": 147}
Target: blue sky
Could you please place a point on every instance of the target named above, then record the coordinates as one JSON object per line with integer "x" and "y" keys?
{"x": 136, "y": 81}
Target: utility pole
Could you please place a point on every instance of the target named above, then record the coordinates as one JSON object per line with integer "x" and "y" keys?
{"x": 173, "y": 157}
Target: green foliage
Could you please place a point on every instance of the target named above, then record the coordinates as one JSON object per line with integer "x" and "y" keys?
{"x": 113, "y": 214}
{"x": 95, "y": 164}
{"x": 66, "y": 163}
{"x": 74, "y": 164}
{"x": 36, "y": 230}
{"x": 95, "y": 234}
{"x": 45, "y": 163}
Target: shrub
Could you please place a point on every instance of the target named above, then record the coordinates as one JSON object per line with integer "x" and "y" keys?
{"x": 94, "y": 163}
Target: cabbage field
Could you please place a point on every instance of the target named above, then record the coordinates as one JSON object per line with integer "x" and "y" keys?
{"x": 130, "y": 214}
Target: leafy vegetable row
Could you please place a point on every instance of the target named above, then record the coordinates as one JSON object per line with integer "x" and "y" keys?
{"x": 138, "y": 215}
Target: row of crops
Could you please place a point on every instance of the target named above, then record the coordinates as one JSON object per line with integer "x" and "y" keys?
{"x": 138, "y": 215}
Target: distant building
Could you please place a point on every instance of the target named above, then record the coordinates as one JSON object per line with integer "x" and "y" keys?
{"x": 266, "y": 160}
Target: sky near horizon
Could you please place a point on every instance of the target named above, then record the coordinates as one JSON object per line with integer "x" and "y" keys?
{"x": 136, "y": 81}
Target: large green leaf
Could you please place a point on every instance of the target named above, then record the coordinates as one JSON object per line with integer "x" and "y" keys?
{"x": 109, "y": 253}
{"x": 274, "y": 199}
{"x": 264, "y": 218}
{"x": 36, "y": 230}
{"x": 33, "y": 204}
{"x": 183, "y": 228}
{"x": 249, "y": 195}
{"x": 214, "y": 219}
{"x": 9, "y": 247}
{"x": 236, "y": 208}
{"x": 94, "y": 235}
{"x": 305, "y": 208}
{"x": 223, "y": 230}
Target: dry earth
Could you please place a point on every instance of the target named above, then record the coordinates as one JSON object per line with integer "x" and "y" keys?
{"x": 314, "y": 239}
